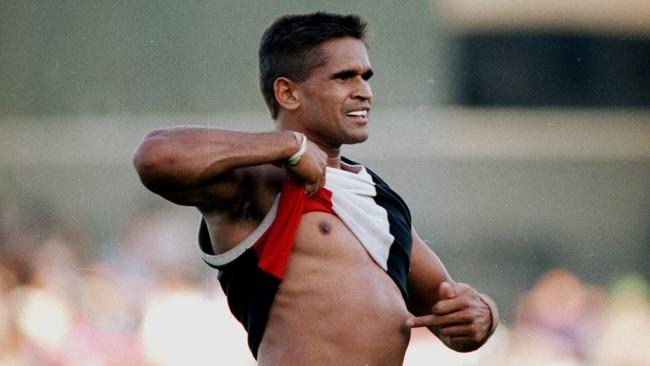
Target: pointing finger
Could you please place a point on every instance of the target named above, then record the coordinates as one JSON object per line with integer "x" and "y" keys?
{"x": 419, "y": 321}
{"x": 429, "y": 321}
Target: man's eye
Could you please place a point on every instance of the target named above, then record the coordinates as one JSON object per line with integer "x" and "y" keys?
{"x": 346, "y": 75}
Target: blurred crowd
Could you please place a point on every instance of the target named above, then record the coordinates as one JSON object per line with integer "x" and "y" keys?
{"x": 143, "y": 297}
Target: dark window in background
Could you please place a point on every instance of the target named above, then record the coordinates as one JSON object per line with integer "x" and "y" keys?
{"x": 545, "y": 69}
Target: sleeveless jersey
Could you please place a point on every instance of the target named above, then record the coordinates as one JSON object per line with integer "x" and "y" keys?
{"x": 250, "y": 272}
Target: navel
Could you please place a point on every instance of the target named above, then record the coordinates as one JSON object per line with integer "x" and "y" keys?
{"x": 324, "y": 227}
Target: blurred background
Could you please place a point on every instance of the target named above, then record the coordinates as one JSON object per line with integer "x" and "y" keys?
{"x": 518, "y": 132}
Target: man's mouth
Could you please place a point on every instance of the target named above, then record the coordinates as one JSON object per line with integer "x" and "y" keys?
{"x": 359, "y": 113}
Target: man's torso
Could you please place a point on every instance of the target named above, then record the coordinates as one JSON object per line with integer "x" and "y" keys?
{"x": 334, "y": 304}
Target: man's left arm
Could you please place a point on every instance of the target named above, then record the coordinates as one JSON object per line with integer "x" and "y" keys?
{"x": 456, "y": 313}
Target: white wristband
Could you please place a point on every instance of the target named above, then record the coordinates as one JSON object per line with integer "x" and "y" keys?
{"x": 294, "y": 159}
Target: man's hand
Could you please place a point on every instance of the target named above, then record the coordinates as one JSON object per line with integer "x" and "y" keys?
{"x": 311, "y": 168}
{"x": 460, "y": 317}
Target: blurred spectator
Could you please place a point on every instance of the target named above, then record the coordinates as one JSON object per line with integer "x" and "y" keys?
{"x": 557, "y": 321}
{"x": 155, "y": 242}
{"x": 181, "y": 322}
{"x": 625, "y": 336}
{"x": 184, "y": 326}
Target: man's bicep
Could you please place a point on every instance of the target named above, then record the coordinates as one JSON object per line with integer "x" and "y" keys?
{"x": 426, "y": 273}
{"x": 210, "y": 195}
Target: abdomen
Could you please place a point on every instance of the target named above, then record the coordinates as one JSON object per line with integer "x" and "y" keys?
{"x": 335, "y": 305}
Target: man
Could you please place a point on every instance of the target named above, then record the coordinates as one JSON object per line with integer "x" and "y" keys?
{"x": 316, "y": 254}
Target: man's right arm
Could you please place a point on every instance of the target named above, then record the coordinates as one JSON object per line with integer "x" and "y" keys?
{"x": 201, "y": 166}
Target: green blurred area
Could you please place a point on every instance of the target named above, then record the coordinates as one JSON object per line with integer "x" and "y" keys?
{"x": 98, "y": 57}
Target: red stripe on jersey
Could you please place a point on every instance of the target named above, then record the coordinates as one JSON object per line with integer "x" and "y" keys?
{"x": 274, "y": 246}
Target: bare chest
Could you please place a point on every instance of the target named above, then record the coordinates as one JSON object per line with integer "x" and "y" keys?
{"x": 353, "y": 309}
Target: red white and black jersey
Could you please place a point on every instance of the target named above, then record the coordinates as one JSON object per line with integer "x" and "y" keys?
{"x": 250, "y": 272}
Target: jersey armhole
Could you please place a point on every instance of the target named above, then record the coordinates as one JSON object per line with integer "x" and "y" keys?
{"x": 219, "y": 260}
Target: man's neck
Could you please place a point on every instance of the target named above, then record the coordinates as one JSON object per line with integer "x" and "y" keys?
{"x": 334, "y": 162}
{"x": 333, "y": 152}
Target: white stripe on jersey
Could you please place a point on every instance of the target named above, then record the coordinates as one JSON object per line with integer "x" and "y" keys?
{"x": 353, "y": 202}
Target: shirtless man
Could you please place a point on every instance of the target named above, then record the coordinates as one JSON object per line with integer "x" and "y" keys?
{"x": 316, "y": 254}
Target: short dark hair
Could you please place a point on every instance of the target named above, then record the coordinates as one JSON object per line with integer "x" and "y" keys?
{"x": 289, "y": 47}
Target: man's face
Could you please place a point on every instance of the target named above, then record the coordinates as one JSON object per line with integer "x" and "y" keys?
{"x": 336, "y": 97}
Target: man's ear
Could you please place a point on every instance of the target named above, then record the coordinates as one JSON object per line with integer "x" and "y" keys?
{"x": 286, "y": 93}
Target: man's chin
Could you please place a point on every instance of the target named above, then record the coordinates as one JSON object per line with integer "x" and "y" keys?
{"x": 356, "y": 139}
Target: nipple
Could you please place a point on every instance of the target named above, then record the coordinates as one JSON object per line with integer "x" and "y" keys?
{"x": 324, "y": 227}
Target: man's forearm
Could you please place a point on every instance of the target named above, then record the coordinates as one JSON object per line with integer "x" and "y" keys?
{"x": 187, "y": 156}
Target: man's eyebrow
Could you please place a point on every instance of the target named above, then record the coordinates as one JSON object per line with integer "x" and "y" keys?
{"x": 350, "y": 73}
{"x": 368, "y": 74}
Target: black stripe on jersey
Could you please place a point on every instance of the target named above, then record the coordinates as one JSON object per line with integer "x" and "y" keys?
{"x": 399, "y": 219}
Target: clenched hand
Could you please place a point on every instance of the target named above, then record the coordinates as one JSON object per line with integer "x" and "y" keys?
{"x": 460, "y": 317}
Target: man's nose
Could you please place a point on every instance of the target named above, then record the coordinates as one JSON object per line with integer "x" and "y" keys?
{"x": 363, "y": 91}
